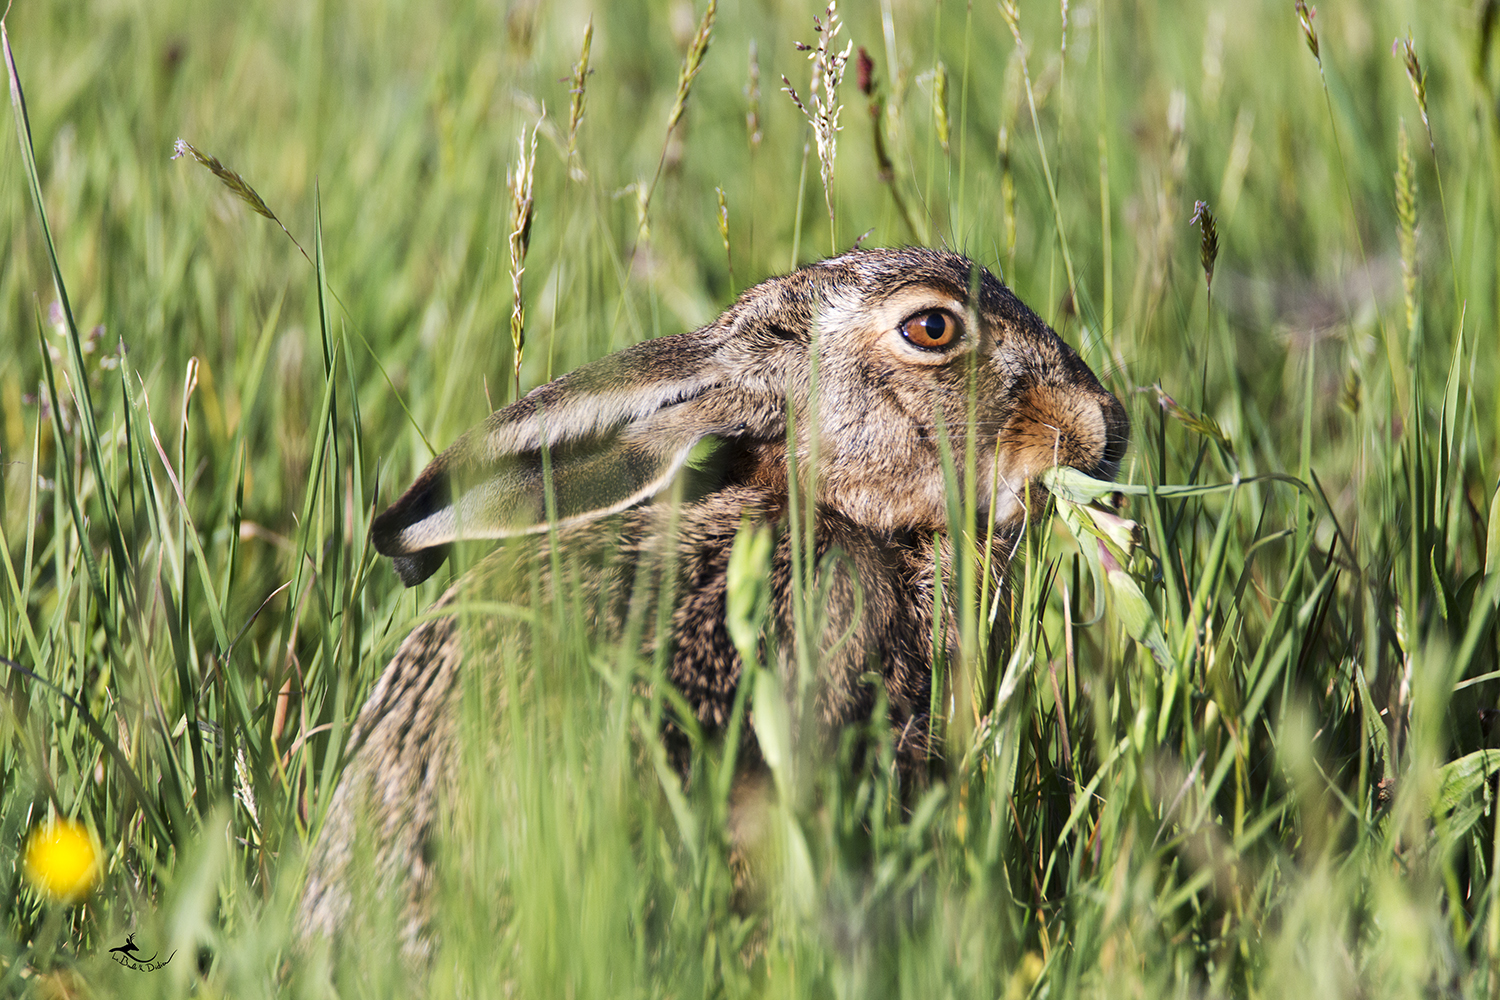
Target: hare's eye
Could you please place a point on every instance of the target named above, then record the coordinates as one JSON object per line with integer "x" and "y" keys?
{"x": 931, "y": 331}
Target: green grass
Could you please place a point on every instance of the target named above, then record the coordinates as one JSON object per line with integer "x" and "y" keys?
{"x": 1287, "y": 791}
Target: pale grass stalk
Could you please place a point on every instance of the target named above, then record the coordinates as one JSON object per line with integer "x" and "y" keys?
{"x": 519, "y": 181}
{"x": 827, "y": 73}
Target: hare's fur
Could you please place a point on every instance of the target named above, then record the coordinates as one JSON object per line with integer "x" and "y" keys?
{"x": 617, "y": 431}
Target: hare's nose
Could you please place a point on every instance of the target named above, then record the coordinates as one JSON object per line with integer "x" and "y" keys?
{"x": 1116, "y": 426}
{"x": 1082, "y": 427}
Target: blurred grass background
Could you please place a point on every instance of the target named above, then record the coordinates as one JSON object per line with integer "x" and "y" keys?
{"x": 1294, "y": 795}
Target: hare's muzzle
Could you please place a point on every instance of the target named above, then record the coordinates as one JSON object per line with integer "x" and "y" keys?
{"x": 1082, "y": 427}
{"x": 1116, "y": 437}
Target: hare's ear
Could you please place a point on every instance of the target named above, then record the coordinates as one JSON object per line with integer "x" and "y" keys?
{"x": 592, "y": 443}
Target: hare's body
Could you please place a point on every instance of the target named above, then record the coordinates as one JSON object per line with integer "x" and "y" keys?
{"x": 906, "y": 356}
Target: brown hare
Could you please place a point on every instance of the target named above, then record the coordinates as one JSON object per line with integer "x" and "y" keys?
{"x": 911, "y": 345}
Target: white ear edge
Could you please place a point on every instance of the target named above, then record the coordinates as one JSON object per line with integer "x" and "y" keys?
{"x": 561, "y": 424}
{"x": 448, "y": 524}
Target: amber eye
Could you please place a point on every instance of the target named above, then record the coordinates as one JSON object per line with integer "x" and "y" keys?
{"x": 931, "y": 331}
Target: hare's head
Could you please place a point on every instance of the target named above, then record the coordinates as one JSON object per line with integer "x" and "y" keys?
{"x": 876, "y": 361}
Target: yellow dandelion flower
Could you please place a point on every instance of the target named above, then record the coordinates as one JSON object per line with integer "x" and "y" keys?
{"x": 62, "y": 860}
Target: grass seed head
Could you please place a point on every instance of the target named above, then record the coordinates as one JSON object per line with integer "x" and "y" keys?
{"x": 1177, "y": 131}
{"x": 520, "y": 181}
{"x": 1199, "y": 423}
{"x": 1208, "y": 246}
{"x": 578, "y": 91}
{"x": 828, "y": 66}
{"x": 1305, "y": 15}
{"x": 693, "y": 62}
{"x": 1406, "y": 50}
{"x": 1406, "y": 215}
{"x": 233, "y": 181}
{"x": 1012, "y": 15}
{"x": 236, "y": 184}
{"x": 1351, "y": 397}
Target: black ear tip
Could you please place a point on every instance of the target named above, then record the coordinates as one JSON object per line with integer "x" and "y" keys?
{"x": 414, "y": 567}
{"x": 384, "y": 529}
{"x": 428, "y": 495}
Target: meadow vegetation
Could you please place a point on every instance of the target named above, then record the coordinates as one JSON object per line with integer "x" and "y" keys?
{"x": 1244, "y": 747}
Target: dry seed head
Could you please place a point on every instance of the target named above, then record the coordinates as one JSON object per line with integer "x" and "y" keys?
{"x": 1208, "y": 248}
{"x": 1012, "y": 15}
{"x": 1406, "y": 50}
{"x": 1305, "y": 15}
{"x": 236, "y": 184}
{"x": 575, "y": 109}
{"x": 827, "y": 73}
{"x": 1213, "y": 57}
{"x": 865, "y": 73}
{"x": 693, "y": 62}
{"x": 1199, "y": 423}
{"x": 233, "y": 181}
{"x": 1406, "y": 214}
{"x": 520, "y": 181}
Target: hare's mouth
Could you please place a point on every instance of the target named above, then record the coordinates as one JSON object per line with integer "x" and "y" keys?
{"x": 1056, "y": 426}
